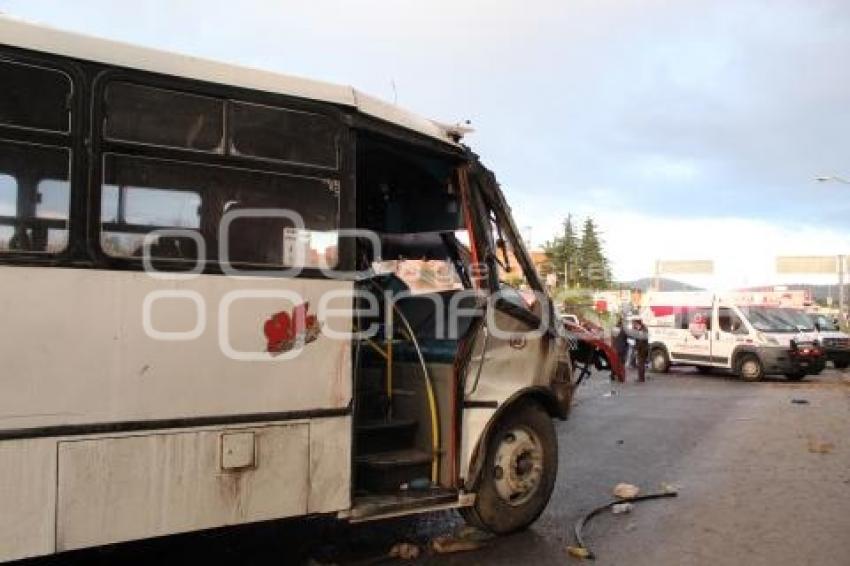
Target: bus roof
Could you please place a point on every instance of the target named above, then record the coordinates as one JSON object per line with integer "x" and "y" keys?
{"x": 37, "y": 37}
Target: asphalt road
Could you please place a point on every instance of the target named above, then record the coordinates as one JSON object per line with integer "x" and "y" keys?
{"x": 762, "y": 480}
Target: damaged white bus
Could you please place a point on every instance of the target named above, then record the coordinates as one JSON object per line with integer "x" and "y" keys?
{"x": 231, "y": 296}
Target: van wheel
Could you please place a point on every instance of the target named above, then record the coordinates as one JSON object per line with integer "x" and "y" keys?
{"x": 750, "y": 368}
{"x": 659, "y": 361}
{"x": 519, "y": 471}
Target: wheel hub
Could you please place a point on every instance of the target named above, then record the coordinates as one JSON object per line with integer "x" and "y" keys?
{"x": 658, "y": 361}
{"x": 518, "y": 466}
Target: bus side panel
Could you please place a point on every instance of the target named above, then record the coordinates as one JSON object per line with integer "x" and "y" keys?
{"x": 75, "y": 350}
{"x": 133, "y": 487}
{"x": 330, "y": 465}
{"x": 27, "y": 498}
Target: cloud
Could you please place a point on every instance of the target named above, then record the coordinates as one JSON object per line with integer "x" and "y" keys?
{"x": 744, "y": 250}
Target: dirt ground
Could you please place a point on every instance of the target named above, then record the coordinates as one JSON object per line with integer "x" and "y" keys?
{"x": 762, "y": 480}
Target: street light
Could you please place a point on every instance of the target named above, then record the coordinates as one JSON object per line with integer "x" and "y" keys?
{"x": 841, "y": 258}
{"x": 836, "y": 178}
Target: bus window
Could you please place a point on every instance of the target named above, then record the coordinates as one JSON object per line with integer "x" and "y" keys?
{"x": 282, "y": 135}
{"x": 34, "y": 198}
{"x": 8, "y": 195}
{"x": 423, "y": 275}
{"x": 152, "y": 207}
{"x": 53, "y": 199}
{"x": 513, "y": 282}
{"x": 154, "y": 116}
{"x": 39, "y": 100}
{"x": 141, "y": 195}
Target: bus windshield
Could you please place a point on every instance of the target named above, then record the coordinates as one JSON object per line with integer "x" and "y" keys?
{"x": 768, "y": 319}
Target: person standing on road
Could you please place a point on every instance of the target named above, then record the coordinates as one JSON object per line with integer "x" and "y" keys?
{"x": 640, "y": 334}
{"x": 620, "y": 341}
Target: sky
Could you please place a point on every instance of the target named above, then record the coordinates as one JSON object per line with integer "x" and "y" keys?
{"x": 687, "y": 130}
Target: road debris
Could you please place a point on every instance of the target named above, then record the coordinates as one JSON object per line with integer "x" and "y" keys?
{"x": 464, "y": 539}
{"x": 621, "y": 508}
{"x": 820, "y": 447}
{"x": 448, "y": 544}
{"x": 626, "y": 490}
{"x": 581, "y": 549}
{"x": 468, "y": 532}
{"x": 404, "y": 551}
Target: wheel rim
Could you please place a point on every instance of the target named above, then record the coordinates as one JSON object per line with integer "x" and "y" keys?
{"x": 750, "y": 368}
{"x": 518, "y": 466}
{"x": 658, "y": 361}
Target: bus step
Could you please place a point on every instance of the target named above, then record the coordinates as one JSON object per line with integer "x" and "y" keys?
{"x": 387, "y": 472}
{"x": 394, "y": 459}
{"x": 385, "y": 435}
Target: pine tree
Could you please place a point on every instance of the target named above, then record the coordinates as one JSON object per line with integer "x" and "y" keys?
{"x": 562, "y": 251}
{"x": 593, "y": 269}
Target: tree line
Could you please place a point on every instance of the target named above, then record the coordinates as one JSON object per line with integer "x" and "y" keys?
{"x": 579, "y": 261}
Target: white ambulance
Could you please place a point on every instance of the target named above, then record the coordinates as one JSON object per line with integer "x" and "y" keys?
{"x": 749, "y": 334}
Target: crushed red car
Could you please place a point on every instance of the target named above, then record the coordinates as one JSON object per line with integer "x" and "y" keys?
{"x": 590, "y": 350}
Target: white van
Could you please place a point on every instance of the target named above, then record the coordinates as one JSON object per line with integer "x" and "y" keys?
{"x": 836, "y": 343}
{"x": 709, "y": 331}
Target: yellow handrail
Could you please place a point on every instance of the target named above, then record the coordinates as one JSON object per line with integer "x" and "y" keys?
{"x": 432, "y": 402}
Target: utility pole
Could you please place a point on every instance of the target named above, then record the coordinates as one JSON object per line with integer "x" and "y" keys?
{"x": 841, "y": 264}
{"x": 566, "y": 259}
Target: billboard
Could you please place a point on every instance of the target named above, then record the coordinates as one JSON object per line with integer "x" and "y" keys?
{"x": 807, "y": 264}
{"x": 684, "y": 267}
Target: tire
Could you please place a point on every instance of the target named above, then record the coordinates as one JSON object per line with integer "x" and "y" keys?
{"x": 525, "y": 437}
{"x": 704, "y": 370}
{"x": 659, "y": 361}
{"x": 750, "y": 368}
{"x": 799, "y": 376}
{"x": 841, "y": 365}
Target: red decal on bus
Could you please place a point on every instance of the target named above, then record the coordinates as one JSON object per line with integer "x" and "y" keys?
{"x": 283, "y": 330}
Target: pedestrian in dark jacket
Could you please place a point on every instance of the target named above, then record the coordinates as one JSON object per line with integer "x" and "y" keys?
{"x": 640, "y": 334}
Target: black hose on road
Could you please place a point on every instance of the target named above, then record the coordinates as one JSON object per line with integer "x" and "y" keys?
{"x": 583, "y": 521}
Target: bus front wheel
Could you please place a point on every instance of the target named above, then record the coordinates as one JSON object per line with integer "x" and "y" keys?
{"x": 519, "y": 472}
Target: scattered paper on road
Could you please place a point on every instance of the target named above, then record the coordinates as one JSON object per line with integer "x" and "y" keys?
{"x": 448, "y": 544}
{"x": 820, "y": 447}
{"x": 626, "y": 490}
